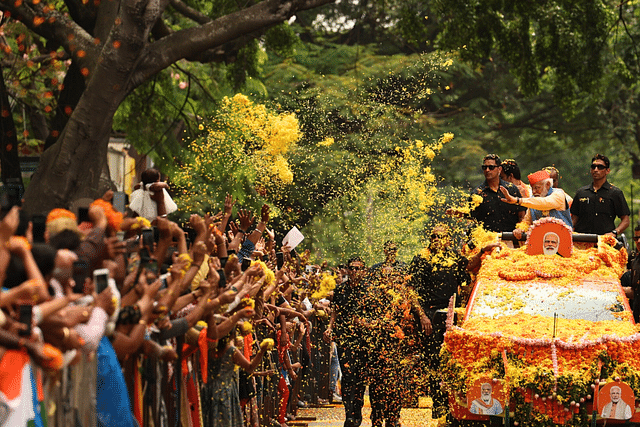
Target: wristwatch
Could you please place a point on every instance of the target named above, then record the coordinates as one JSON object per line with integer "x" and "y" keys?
{"x": 615, "y": 232}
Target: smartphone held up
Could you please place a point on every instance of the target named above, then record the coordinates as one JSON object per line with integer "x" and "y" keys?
{"x": 101, "y": 279}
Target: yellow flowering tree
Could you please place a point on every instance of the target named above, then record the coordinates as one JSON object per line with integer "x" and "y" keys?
{"x": 400, "y": 196}
{"x": 243, "y": 151}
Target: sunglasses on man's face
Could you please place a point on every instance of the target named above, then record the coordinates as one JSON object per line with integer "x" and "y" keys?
{"x": 490, "y": 167}
{"x": 597, "y": 166}
{"x": 636, "y": 237}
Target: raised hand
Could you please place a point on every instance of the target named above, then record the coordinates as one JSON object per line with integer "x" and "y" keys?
{"x": 228, "y": 204}
{"x": 246, "y": 219}
{"x": 264, "y": 213}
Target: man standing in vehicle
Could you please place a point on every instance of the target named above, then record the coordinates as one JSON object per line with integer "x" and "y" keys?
{"x": 492, "y": 213}
{"x": 596, "y": 206}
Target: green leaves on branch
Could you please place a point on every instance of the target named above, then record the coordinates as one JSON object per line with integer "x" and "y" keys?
{"x": 562, "y": 42}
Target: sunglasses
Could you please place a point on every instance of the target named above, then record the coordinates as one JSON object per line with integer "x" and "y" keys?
{"x": 636, "y": 237}
{"x": 438, "y": 236}
{"x": 490, "y": 167}
{"x": 598, "y": 166}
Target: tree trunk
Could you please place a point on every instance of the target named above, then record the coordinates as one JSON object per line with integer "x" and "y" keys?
{"x": 73, "y": 88}
{"x": 71, "y": 168}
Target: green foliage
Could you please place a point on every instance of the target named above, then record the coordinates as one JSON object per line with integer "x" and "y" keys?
{"x": 246, "y": 65}
{"x": 564, "y": 43}
{"x": 176, "y": 98}
{"x": 33, "y": 76}
{"x": 281, "y": 40}
{"x": 213, "y": 167}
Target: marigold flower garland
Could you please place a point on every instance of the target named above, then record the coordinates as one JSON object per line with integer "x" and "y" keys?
{"x": 551, "y": 378}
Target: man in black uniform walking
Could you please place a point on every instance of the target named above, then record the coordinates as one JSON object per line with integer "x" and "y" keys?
{"x": 347, "y": 300}
{"x": 437, "y": 274}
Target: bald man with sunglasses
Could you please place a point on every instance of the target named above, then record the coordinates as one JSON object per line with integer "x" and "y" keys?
{"x": 596, "y": 206}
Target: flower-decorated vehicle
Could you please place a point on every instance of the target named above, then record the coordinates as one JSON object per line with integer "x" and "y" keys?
{"x": 547, "y": 338}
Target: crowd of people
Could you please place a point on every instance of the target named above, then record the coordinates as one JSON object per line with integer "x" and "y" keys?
{"x": 129, "y": 319}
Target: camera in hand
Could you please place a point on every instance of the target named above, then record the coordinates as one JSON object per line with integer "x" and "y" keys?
{"x": 10, "y": 195}
{"x": 38, "y": 227}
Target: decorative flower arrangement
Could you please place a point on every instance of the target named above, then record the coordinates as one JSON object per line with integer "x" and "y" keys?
{"x": 114, "y": 218}
{"x": 552, "y": 364}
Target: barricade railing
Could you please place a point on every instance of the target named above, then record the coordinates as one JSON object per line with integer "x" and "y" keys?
{"x": 171, "y": 393}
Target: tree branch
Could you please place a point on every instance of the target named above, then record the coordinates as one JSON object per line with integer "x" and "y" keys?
{"x": 40, "y": 59}
{"x": 193, "y": 41}
{"x": 107, "y": 14}
{"x": 84, "y": 13}
{"x": 189, "y": 12}
{"x": 53, "y": 25}
{"x": 160, "y": 29}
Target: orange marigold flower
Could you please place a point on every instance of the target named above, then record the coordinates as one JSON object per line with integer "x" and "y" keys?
{"x": 114, "y": 218}
{"x": 38, "y": 20}
{"x": 54, "y": 360}
{"x": 85, "y": 71}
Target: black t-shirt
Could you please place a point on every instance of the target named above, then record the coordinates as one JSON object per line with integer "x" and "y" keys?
{"x": 347, "y": 302}
{"x": 375, "y": 272}
{"x": 436, "y": 283}
{"x": 495, "y": 214}
{"x": 597, "y": 210}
